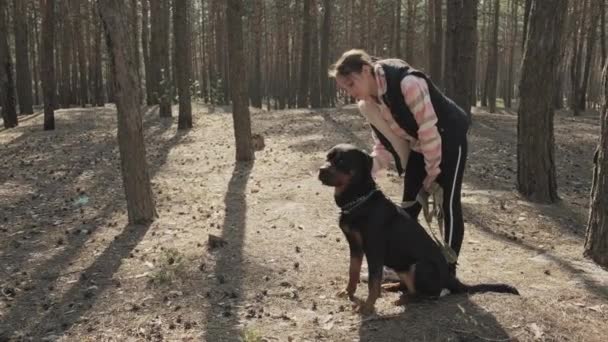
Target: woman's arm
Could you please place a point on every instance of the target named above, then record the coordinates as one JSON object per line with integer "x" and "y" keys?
{"x": 416, "y": 94}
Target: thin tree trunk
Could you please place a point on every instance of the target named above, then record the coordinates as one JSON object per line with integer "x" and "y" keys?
{"x": 183, "y": 60}
{"x": 591, "y": 35}
{"x": 304, "y": 85}
{"x": 527, "y": 6}
{"x": 35, "y": 48}
{"x": 82, "y": 60}
{"x": 410, "y": 31}
{"x": 437, "y": 43}
{"x": 145, "y": 44}
{"x": 22, "y": 58}
{"x": 315, "y": 87}
{"x": 514, "y": 28}
{"x": 256, "y": 96}
{"x": 240, "y": 98}
{"x": 136, "y": 180}
{"x": 98, "y": 69}
{"x": 47, "y": 62}
{"x": 7, "y": 90}
{"x": 493, "y": 60}
{"x": 325, "y": 39}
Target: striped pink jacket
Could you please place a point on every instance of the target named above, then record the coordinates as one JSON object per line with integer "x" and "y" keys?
{"x": 416, "y": 94}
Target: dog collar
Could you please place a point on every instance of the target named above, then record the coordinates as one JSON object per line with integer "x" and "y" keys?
{"x": 350, "y": 206}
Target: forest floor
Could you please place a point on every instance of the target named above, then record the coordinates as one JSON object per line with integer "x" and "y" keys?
{"x": 72, "y": 270}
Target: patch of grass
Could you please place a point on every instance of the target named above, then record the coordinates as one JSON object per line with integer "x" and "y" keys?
{"x": 171, "y": 265}
{"x": 250, "y": 335}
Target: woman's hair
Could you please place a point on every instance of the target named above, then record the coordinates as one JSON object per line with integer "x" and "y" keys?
{"x": 351, "y": 61}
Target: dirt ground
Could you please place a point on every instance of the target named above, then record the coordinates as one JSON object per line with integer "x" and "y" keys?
{"x": 72, "y": 270}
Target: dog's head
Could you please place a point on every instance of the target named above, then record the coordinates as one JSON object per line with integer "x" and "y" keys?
{"x": 346, "y": 166}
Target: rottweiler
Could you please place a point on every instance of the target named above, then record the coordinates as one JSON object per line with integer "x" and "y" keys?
{"x": 376, "y": 227}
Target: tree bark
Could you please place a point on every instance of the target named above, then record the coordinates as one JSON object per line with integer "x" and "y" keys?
{"x": 65, "y": 89}
{"x": 514, "y": 28}
{"x": 535, "y": 153}
{"x": 527, "y": 6}
{"x": 22, "y": 58}
{"x": 145, "y": 44}
{"x": 591, "y": 41}
{"x": 315, "y": 87}
{"x": 596, "y": 240}
{"x": 7, "y": 88}
{"x": 304, "y": 85}
{"x": 492, "y": 75}
{"x": 257, "y": 86}
{"x": 325, "y": 39}
{"x": 97, "y": 68}
{"x": 238, "y": 75}
{"x": 182, "y": 33}
{"x": 82, "y": 59}
{"x": 410, "y": 31}
{"x": 136, "y": 180}
{"x": 437, "y": 43}
{"x": 461, "y": 47}
{"x": 47, "y": 62}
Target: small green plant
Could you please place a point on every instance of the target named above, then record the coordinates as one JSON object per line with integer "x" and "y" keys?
{"x": 250, "y": 335}
{"x": 171, "y": 265}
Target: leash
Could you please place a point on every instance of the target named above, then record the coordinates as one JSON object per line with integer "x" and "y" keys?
{"x": 432, "y": 207}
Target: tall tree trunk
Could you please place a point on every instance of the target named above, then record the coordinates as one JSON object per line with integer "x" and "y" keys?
{"x": 535, "y": 152}
{"x": 325, "y": 39}
{"x": 513, "y": 39}
{"x": 238, "y": 75}
{"x": 527, "y": 6}
{"x": 65, "y": 89}
{"x": 134, "y": 18}
{"x": 136, "y": 180}
{"x": 183, "y": 57}
{"x": 256, "y": 93}
{"x": 156, "y": 50}
{"x": 82, "y": 59}
{"x": 603, "y": 30}
{"x": 315, "y": 88}
{"x": 304, "y": 85}
{"x": 165, "y": 84}
{"x": 35, "y": 46}
{"x": 437, "y": 42}
{"x": 145, "y": 44}
{"x": 410, "y": 31}
{"x": 596, "y": 240}
{"x": 461, "y": 46}
{"x": 493, "y": 60}
{"x": 97, "y": 68}
{"x": 575, "y": 68}
{"x": 591, "y": 41}
{"x": 397, "y": 31}
{"x": 22, "y": 58}
{"x": 47, "y": 62}
{"x": 7, "y": 89}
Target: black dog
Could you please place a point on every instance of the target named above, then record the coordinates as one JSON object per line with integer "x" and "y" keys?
{"x": 382, "y": 231}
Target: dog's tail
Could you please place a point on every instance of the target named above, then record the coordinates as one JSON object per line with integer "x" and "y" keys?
{"x": 456, "y": 286}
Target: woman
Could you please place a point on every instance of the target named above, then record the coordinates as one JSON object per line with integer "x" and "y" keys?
{"x": 415, "y": 125}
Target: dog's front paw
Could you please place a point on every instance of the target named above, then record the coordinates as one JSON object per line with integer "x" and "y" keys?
{"x": 402, "y": 301}
{"x": 349, "y": 292}
{"x": 364, "y": 308}
{"x": 346, "y": 293}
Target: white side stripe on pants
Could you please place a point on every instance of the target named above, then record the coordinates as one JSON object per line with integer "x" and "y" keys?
{"x": 452, "y": 196}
